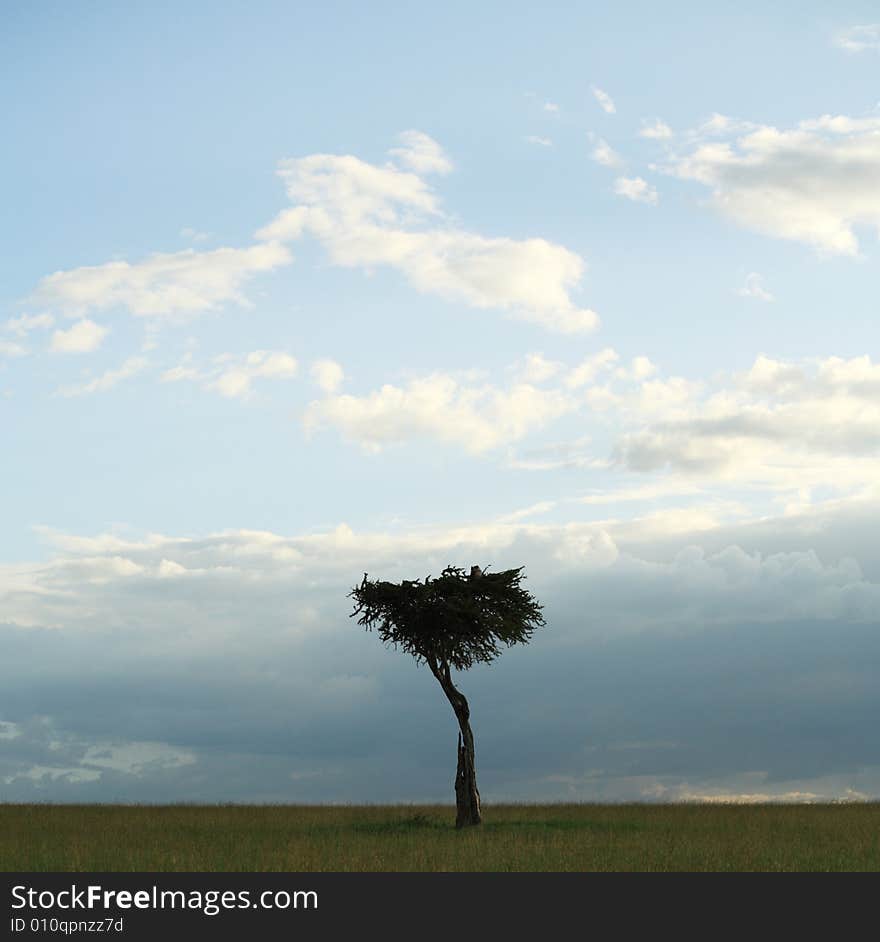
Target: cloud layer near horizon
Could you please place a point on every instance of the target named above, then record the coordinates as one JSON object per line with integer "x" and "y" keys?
{"x": 236, "y": 647}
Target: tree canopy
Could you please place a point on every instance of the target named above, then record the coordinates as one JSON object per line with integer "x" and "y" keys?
{"x": 455, "y": 620}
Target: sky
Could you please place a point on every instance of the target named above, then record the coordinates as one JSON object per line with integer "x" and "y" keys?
{"x": 290, "y": 293}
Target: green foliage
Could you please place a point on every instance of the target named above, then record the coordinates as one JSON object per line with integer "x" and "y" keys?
{"x": 455, "y": 620}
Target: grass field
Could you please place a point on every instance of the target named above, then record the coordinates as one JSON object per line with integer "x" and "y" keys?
{"x": 408, "y": 838}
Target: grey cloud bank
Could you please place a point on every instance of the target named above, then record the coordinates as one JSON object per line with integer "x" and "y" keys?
{"x": 226, "y": 669}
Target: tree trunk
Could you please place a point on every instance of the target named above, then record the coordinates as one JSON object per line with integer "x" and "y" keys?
{"x": 467, "y": 796}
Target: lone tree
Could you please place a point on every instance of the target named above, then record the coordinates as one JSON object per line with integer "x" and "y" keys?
{"x": 454, "y": 621}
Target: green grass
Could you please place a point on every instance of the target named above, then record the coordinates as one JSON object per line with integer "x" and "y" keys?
{"x": 406, "y": 838}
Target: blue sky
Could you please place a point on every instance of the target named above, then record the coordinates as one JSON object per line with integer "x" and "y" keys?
{"x": 289, "y": 294}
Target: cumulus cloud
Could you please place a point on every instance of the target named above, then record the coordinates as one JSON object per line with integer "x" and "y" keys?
{"x": 754, "y": 288}
{"x": 134, "y": 758}
{"x": 165, "y": 285}
{"x": 232, "y": 375}
{"x": 779, "y": 428}
{"x": 587, "y": 371}
{"x": 604, "y": 154}
{"x": 51, "y": 755}
{"x": 22, "y": 326}
{"x": 234, "y": 381}
{"x": 536, "y": 368}
{"x": 540, "y": 141}
{"x": 636, "y": 189}
{"x": 107, "y": 380}
{"x": 814, "y": 183}
{"x": 656, "y": 130}
{"x": 367, "y": 215}
{"x": 83, "y": 337}
{"x": 455, "y": 409}
{"x": 604, "y": 99}
{"x": 328, "y": 375}
{"x": 639, "y": 368}
{"x": 807, "y": 422}
{"x": 364, "y": 215}
{"x": 420, "y": 153}
{"x": 707, "y": 587}
{"x": 440, "y": 407}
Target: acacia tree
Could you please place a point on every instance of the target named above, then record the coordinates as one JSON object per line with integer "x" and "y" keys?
{"x": 452, "y": 622}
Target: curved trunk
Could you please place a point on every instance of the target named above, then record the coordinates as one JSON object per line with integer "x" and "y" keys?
{"x": 467, "y": 796}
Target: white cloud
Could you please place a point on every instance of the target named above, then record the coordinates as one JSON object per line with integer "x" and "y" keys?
{"x": 77, "y": 761}
{"x": 604, "y": 100}
{"x": 131, "y": 367}
{"x": 551, "y": 107}
{"x": 420, "y": 153}
{"x": 604, "y": 154}
{"x": 754, "y": 288}
{"x": 859, "y": 38}
{"x": 21, "y": 326}
{"x": 439, "y": 407}
{"x": 656, "y": 130}
{"x": 83, "y": 337}
{"x": 231, "y": 375}
{"x": 537, "y": 368}
{"x": 40, "y": 773}
{"x": 756, "y": 788}
{"x": 636, "y": 189}
{"x": 781, "y": 424}
{"x": 640, "y": 368}
{"x": 235, "y": 381}
{"x": 780, "y": 428}
{"x": 9, "y": 730}
{"x": 277, "y": 365}
{"x": 218, "y": 577}
{"x": 135, "y": 758}
{"x": 190, "y": 590}
{"x": 814, "y": 183}
{"x": 540, "y": 141}
{"x": 587, "y": 371}
{"x": 328, "y": 375}
{"x": 164, "y": 285}
{"x": 365, "y": 216}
